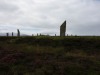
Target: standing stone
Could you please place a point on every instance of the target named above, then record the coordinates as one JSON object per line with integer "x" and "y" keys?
{"x": 71, "y": 35}
{"x": 32, "y": 34}
{"x": 40, "y": 34}
{"x": 37, "y": 34}
{"x": 63, "y": 29}
{"x": 18, "y": 33}
{"x": 7, "y": 34}
{"x": 12, "y": 34}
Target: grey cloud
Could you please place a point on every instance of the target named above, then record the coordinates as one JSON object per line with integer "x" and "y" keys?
{"x": 8, "y": 12}
{"x": 6, "y": 7}
{"x": 87, "y": 30}
{"x": 46, "y": 16}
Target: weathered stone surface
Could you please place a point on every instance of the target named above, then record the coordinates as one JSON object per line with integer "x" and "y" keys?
{"x": 63, "y": 29}
{"x": 18, "y": 32}
{"x": 12, "y": 34}
{"x": 7, "y": 34}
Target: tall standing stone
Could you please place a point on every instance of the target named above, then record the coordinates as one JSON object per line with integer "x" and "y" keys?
{"x": 32, "y": 34}
{"x": 12, "y": 34}
{"x": 7, "y": 34}
{"x": 37, "y": 34}
{"x": 40, "y": 34}
{"x": 63, "y": 29}
{"x": 18, "y": 33}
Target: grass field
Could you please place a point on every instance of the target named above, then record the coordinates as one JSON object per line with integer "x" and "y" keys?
{"x": 50, "y": 55}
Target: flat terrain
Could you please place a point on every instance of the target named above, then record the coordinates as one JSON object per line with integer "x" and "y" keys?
{"x": 50, "y": 55}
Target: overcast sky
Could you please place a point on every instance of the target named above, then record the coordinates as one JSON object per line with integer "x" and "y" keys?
{"x": 46, "y": 16}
